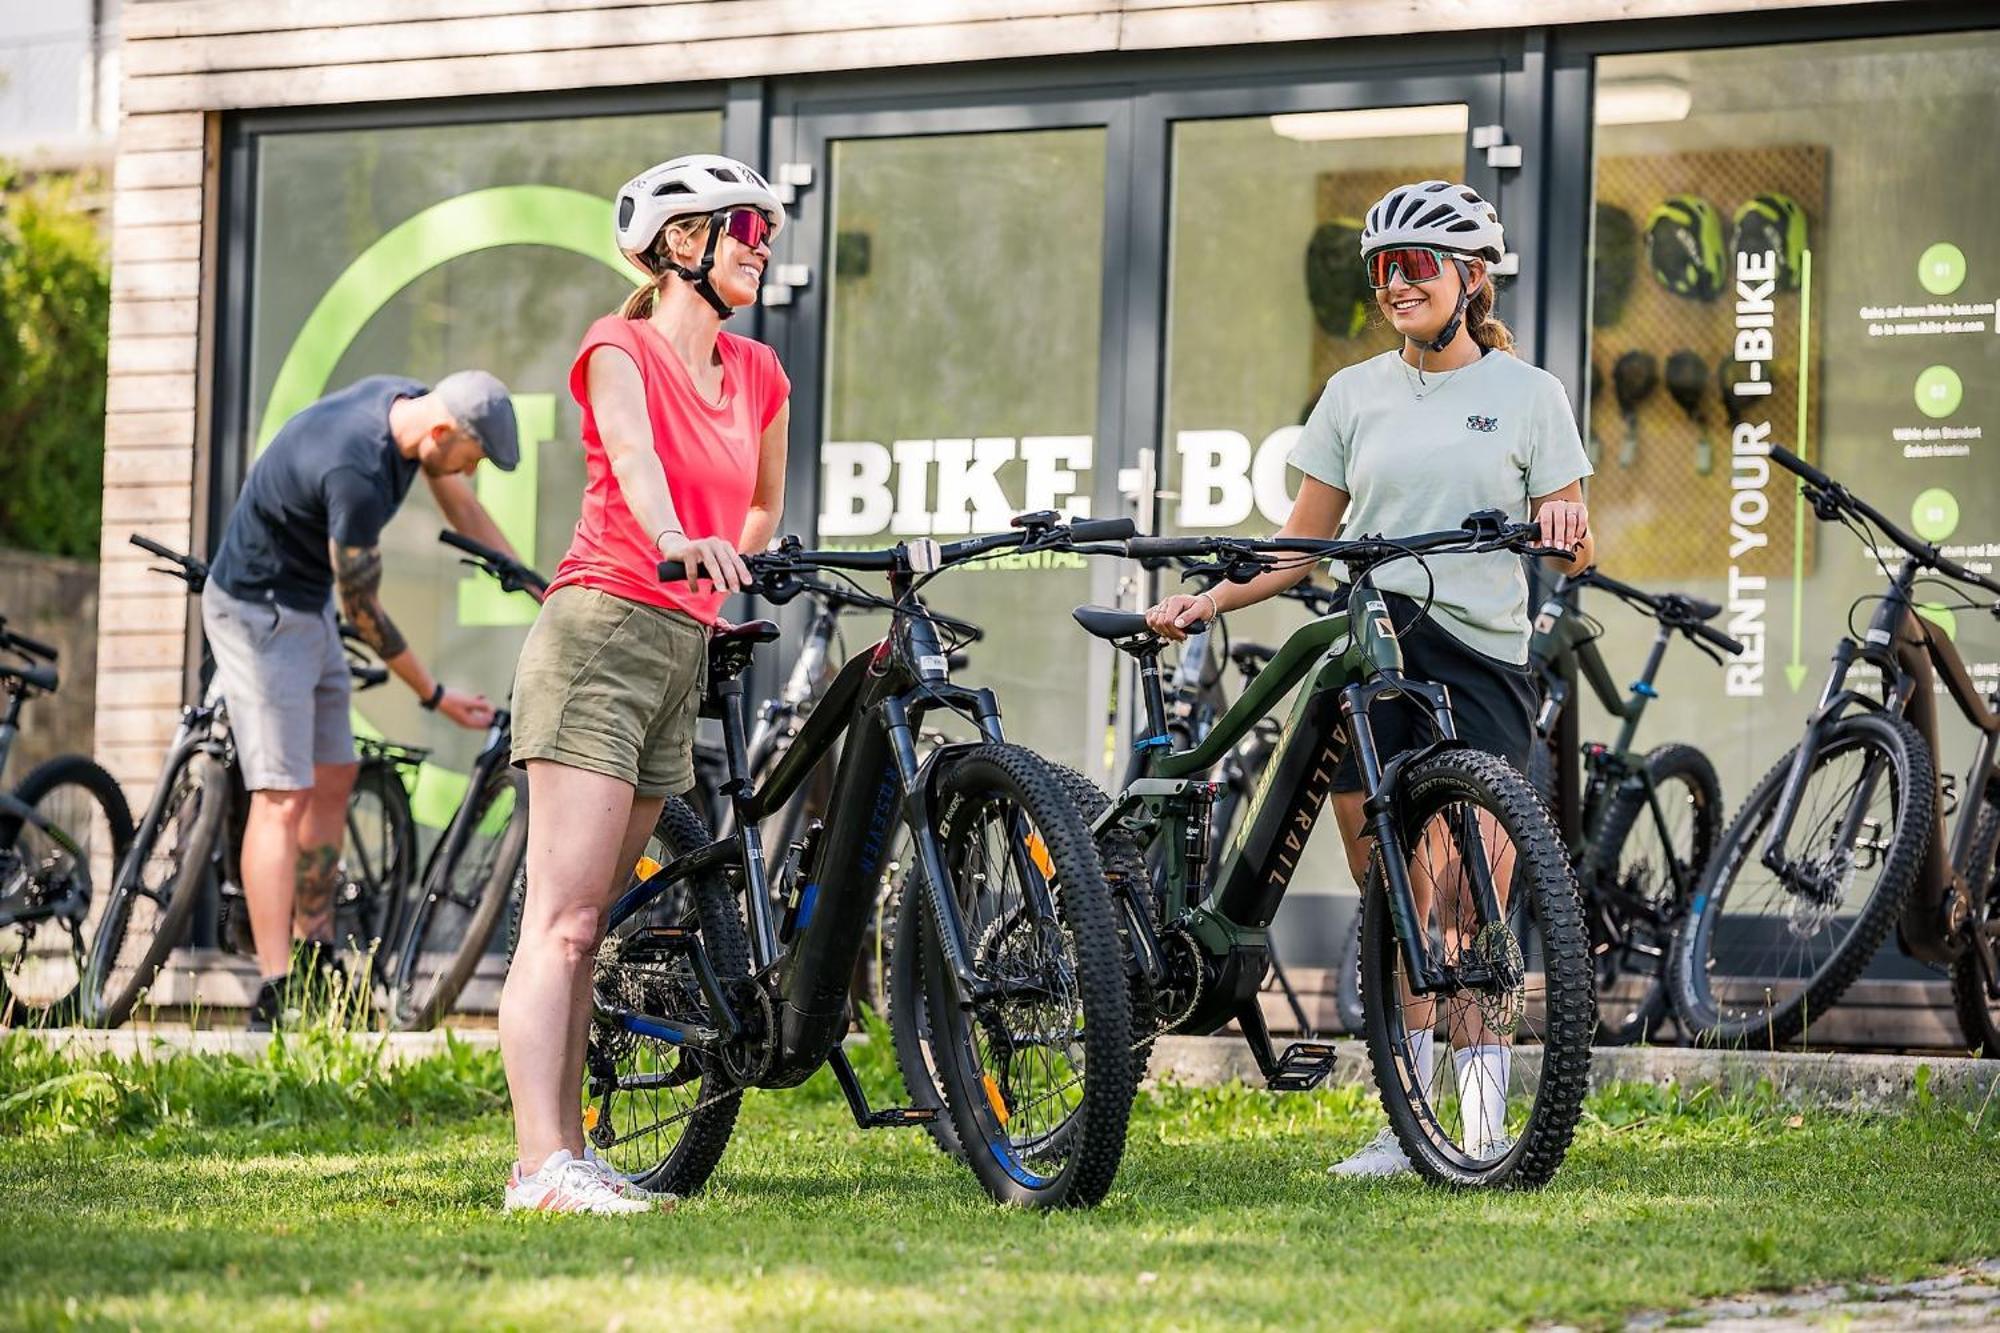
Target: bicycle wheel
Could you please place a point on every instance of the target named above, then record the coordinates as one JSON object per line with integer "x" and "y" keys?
{"x": 1978, "y": 1011}
{"x": 1038, "y": 1076}
{"x": 1629, "y": 882}
{"x": 662, "y": 1114}
{"x": 51, "y": 879}
{"x": 1763, "y": 952}
{"x": 908, "y": 1013}
{"x": 453, "y": 917}
{"x": 1484, "y": 1081}
{"x": 154, "y": 893}
{"x": 377, "y": 864}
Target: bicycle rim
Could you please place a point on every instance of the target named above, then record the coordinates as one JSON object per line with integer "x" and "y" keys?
{"x": 42, "y": 957}
{"x": 147, "y": 911}
{"x": 1484, "y": 1081}
{"x": 453, "y": 918}
{"x": 1766, "y": 951}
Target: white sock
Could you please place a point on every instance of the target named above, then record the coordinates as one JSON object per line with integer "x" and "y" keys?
{"x": 1423, "y": 1057}
{"x": 1483, "y": 1072}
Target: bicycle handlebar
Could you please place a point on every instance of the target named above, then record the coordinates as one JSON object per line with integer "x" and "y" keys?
{"x": 926, "y": 557}
{"x": 1484, "y": 531}
{"x": 187, "y": 568}
{"x": 1838, "y": 496}
{"x": 1674, "y": 610}
{"x": 21, "y": 643}
{"x": 512, "y": 574}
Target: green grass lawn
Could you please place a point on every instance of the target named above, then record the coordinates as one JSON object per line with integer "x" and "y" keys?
{"x": 322, "y": 1189}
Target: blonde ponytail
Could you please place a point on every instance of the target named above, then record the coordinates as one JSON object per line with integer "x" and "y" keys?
{"x": 645, "y": 299}
{"x": 1487, "y": 331}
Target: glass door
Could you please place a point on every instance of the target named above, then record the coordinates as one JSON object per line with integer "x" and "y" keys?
{"x": 953, "y": 322}
{"x": 1264, "y": 194}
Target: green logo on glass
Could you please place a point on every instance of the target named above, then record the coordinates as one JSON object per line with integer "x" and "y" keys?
{"x": 1939, "y": 391}
{"x": 1941, "y": 268}
{"x": 482, "y": 220}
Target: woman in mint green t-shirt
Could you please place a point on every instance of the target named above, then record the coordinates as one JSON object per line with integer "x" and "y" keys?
{"x": 1412, "y": 441}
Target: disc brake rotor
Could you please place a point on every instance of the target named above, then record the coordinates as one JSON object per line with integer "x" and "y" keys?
{"x": 1497, "y": 950}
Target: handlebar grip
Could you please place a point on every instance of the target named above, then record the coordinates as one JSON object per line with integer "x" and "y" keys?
{"x": 1791, "y": 462}
{"x": 1139, "y": 548}
{"x": 472, "y": 548}
{"x": 368, "y": 677}
{"x": 672, "y": 571}
{"x": 34, "y": 647}
{"x": 1734, "y": 647}
{"x": 1103, "y": 530}
{"x": 148, "y": 544}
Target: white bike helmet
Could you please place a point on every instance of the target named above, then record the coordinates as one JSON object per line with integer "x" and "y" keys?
{"x": 1438, "y": 214}
{"x": 1443, "y": 216}
{"x": 700, "y": 183}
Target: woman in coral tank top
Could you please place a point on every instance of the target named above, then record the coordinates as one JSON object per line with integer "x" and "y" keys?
{"x": 684, "y": 448}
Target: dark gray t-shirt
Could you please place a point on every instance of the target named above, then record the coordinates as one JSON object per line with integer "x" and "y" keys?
{"x": 332, "y": 473}
{"x": 1419, "y": 456}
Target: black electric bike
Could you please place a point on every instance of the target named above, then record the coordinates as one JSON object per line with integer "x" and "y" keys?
{"x": 1649, "y": 821}
{"x": 474, "y": 871}
{"x": 1022, "y": 963}
{"x": 1845, "y": 836}
{"x": 1457, "y": 834}
{"x": 184, "y": 853}
{"x": 62, "y": 832}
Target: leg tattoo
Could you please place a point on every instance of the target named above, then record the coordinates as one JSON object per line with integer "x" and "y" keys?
{"x": 312, "y": 910}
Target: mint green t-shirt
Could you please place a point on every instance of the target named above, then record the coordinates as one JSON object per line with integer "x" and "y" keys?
{"x": 1418, "y": 456}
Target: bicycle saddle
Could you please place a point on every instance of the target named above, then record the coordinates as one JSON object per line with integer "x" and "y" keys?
{"x": 1126, "y": 629}
{"x": 731, "y": 647}
{"x": 1247, "y": 655}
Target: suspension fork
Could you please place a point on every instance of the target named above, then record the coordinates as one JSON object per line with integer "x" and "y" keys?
{"x": 1833, "y": 700}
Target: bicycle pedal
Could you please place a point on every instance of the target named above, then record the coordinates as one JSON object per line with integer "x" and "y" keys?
{"x": 1303, "y": 1067}
{"x": 901, "y": 1117}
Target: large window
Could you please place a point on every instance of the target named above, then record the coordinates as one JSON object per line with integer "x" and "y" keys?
{"x": 423, "y": 250}
{"x": 1793, "y": 245}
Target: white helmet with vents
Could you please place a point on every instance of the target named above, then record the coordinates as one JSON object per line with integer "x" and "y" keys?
{"x": 1438, "y": 214}
{"x": 698, "y": 183}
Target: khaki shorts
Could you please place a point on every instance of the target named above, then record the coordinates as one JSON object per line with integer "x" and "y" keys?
{"x": 284, "y": 677}
{"x": 612, "y": 687}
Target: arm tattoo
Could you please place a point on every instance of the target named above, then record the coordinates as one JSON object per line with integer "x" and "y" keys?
{"x": 357, "y": 572}
{"x": 317, "y": 871}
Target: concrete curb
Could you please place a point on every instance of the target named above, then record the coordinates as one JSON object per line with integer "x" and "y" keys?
{"x": 1802, "y": 1080}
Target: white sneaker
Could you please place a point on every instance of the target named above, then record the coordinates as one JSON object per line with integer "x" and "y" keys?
{"x": 1383, "y": 1156}
{"x": 566, "y": 1184}
{"x": 627, "y": 1188}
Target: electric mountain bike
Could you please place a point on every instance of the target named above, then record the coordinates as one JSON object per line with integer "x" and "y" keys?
{"x": 1022, "y": 965}
{"x": 65, "y": 825}
{"x": 1457, "y": 833}
{"x": 1649, "y": 821}
{"x": 1845, "y": 836}
{"x": 475, "y": 868}
{"x": 184, "y": 853}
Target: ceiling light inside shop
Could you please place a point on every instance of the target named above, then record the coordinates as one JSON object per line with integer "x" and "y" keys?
{"x": 1642, "y": 101}
{"x": 1385, "y": 122}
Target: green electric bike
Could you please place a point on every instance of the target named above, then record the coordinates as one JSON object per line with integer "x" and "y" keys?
{"x": 1458, "y": 835}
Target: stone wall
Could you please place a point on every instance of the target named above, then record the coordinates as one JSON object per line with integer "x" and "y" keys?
{"x": 55, "y": 600}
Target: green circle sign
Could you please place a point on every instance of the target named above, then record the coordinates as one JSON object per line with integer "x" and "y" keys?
{"x": 1940, "y": 615}
{"x": 1939, "y": 391}
{"x": 1941, "y": 268}
{"x": 1935, "y": 514}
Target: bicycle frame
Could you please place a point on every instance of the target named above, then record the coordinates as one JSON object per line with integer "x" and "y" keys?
{"x": 1345, "y": 675}
{"x": 1561, "y": 632}
{"x": 14, "y": 812}
{"x": 873, "y": 710}
{"x": 1911, "y": 654}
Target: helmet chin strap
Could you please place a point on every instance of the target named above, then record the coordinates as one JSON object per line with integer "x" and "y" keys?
{"x": 698, "y": 275}
{"x": 1450, "y": 330}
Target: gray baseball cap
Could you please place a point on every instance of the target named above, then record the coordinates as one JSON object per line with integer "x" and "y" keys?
{"x": 479, "y": 402}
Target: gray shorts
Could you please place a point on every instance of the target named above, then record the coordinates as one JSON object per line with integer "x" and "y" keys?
{"x": 284, "y": 677}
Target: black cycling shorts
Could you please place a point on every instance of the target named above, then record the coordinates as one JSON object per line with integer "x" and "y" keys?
{"x": 1494, "y": 702}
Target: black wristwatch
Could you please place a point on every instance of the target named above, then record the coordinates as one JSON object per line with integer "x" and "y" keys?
{"x": 430, "y": 705}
